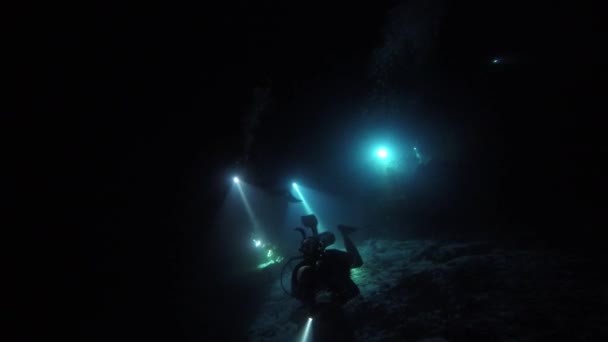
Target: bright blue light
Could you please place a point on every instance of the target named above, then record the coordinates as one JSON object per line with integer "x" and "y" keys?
{"x": 235, "y": 179}
{"x": 294, "y": 184}
{"x": 382, "y": 153}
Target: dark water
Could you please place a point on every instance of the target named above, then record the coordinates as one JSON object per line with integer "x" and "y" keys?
{"x": 125, "y": 124}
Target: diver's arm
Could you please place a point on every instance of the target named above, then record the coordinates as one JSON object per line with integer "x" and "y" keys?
{"x": 351, "y": 249}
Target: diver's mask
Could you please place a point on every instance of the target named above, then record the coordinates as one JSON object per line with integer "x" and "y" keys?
{"x": 313, "y": 246}
{"x": 327, "y": 239}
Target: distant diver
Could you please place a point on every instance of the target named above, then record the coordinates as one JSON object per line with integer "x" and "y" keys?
{"x": 291, "y": 198}
{"x": 287, "y": 195}
{"x": 324, "y": 270}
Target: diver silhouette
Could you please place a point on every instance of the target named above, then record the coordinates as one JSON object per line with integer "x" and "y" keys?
{"x": 325, "y": 271}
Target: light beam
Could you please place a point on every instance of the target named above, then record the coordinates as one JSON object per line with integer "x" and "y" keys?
{"x": 250, "y": 212}
{"x": 307, "y": 330}
{"x": 308, "y": 208}
{"x": 304, "y": 202}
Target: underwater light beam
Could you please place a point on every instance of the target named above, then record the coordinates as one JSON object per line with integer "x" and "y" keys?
{"x": 307, "y": 330}
{"x": 252, "y": 218}
{"x": 308, "y": 208}
{"x": 304, "y": 202}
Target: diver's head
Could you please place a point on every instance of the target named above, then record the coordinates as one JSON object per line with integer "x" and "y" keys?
{"x": 311, "y": 247}
{"x": 310, "y": 221}
{"x": 314, "y": 246}
{"x": 327, "y": 239}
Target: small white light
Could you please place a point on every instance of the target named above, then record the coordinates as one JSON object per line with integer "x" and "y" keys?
{"x": 235, "y": 179}
{"x": 294, "y": 184}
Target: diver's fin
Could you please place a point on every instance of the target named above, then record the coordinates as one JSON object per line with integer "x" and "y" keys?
{"x": 286, "y": 194}
{"x": 292, "y": 199}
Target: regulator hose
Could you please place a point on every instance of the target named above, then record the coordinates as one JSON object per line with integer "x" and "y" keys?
{"x": 289, "y": 261}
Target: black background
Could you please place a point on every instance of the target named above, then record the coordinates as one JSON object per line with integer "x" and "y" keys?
{"x": 121, "y": 120}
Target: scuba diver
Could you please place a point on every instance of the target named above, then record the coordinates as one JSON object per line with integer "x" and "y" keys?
{"x": 324, "y": 270}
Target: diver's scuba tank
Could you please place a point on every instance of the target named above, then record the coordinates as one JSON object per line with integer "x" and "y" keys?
{"x": 312, "y": 249}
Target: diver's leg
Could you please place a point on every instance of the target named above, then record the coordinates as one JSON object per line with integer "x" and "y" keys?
{"x": 350, "y": 246}
{"x": 304, "y": 284}
{"x": 347, "y": 291}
